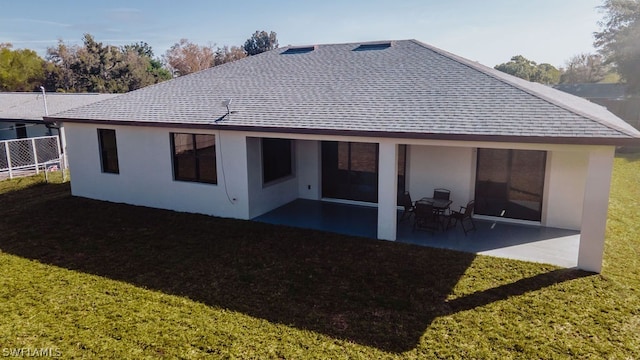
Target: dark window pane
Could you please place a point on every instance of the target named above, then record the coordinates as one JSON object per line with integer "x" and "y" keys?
{"x": 206, "y": 150}
{"x": 343, "y": 155}
{"x": 350, "y": 171}
{"x": 108, "y": 150}
{"x": 194, "y": 157}
{"x": 185, "y": 166}
{"x": 277, "y": 159}
{"x": 335, "y": 169}
{"x": 402, "y": 168}
{"x": 364, "y": 157}
{"x": 205, "y": 143}
{"x": 183, "y": 143}
{"x": 509, "y": 183}
{"x": 207, "y": 170}
{"x": 21, "y": 131}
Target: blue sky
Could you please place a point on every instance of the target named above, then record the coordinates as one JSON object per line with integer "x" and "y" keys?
{"x": 487, "y": 31}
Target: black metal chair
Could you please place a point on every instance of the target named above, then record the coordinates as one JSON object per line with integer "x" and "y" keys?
{"x": 405, "y": 201}
{"x": 425, "y": 218}
{"x": 465, "y": 214}
{"x": 443, "y": 194}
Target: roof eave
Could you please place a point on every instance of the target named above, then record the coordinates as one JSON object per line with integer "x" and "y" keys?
{"x": 577, "y": 140}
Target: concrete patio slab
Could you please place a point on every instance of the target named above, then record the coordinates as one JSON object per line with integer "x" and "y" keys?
{"x": 522, "y": 242}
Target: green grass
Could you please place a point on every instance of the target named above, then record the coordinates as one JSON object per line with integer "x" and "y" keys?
{"x": 103, "y": 280}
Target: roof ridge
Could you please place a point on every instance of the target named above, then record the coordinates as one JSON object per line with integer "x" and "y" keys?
{"x": 513, "y": 81}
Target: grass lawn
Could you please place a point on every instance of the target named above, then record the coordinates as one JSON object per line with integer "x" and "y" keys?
{"x": 102, "y": 280}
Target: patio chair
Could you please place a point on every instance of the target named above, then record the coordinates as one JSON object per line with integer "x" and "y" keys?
{"x": 405, "y": 201}
{"x": 425, "y": 218}
{"x": 465, "y": 214}
{"x": 442, "y": 194}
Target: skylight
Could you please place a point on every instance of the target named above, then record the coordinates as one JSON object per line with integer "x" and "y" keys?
{"x": 376, "y": 46}
{"x": 299, "y": 50}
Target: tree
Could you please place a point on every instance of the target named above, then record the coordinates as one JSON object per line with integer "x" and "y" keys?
{"x": 584, "y": 68}
{"x": 20, "y": 70}
{"x": 185, "y": 57}
{"x": 619, "y": 40}
{"x": 98, "y": 67}
{"x": 153, "y": 65}
{"x": 526, "y": 69}
{"x": 141, "y": 48}
{"x": 546, "y": 74}
{"x": 58, "y": 73}
{"x": 95, "y": 67}
{"x": 227, "y": 54}
{"x": 260, "y": 42}
{"x": 518, "y": 66}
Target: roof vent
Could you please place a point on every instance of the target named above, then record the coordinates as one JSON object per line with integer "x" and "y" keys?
{"x": 376, "y": 46}
{"x": 299, "y": 50}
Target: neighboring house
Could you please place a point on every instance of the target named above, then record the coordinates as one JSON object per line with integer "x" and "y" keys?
{"x": 354, "y": 123}
{"x": 612, "y": 96}
{"x": 595, "y": 91}
{"x": 21, "y": 113}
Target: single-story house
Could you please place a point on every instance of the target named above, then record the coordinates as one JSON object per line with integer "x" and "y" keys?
{"x": 21, "y": 113}
{"x": 357, "y": 122}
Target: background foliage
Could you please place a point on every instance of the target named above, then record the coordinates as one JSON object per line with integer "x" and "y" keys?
{"x": 103, "y": 68}
{"x": 619, "y": 39}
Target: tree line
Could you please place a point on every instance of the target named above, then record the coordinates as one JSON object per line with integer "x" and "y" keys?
{"x": 580, "y": 68}
{"x": 618, "y": 57}
{"x": 97, "y": 67}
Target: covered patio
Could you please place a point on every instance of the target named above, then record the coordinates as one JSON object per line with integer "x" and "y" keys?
{"x": 515, "y": 241}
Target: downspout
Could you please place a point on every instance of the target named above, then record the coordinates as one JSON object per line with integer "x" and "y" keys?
{"x": 44, "y": 97}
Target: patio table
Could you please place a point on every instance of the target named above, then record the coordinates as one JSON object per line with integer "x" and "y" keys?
{"x": 439, "y": 205}
{"x": 439, "y": 208}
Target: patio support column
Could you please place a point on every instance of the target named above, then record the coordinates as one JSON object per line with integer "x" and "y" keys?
{"x": 594, "y": 211}
{"x": 387, "y": 190}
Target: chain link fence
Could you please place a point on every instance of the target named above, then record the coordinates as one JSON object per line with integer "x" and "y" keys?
{"x": 23, "y": 157}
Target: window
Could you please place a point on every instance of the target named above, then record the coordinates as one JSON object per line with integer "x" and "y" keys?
{"x": 108, "y": 151}
{"x": 194, "y": 158}
{"x": 21, "y": 131}
{"x": 298, "y": 50}
{"x": 510, "y": 183}
{"x": 376, "y": 46}
{"x": 350, "y": 171}
{"x": 277, "y": 159}
{"x": 402, "y": 169}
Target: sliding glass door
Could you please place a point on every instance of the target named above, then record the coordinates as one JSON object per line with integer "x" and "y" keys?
{"x": 350, "y": 171}
{"x": 510, "y": 183}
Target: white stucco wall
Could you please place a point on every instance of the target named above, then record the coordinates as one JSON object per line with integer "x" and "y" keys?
{"x": 564, "y": 189}
{"x": 387, "y": 185}
{"x": 308, "y": 169}
{"x": 146, "y": 175}
{"x": 595, "y": 207}
{"x": 432, "y": 167}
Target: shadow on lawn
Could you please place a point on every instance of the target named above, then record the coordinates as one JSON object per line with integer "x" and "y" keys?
{"x": 374, "y": 293}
